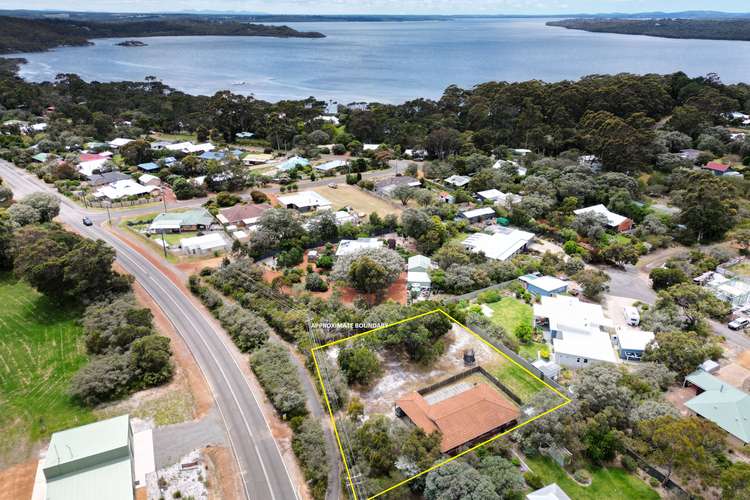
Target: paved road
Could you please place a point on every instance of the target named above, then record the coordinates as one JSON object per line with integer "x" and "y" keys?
{"x": 263, "y": 471}
{"x": 633, "y": 282}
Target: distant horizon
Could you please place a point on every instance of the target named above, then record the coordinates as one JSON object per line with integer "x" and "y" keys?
{"x": 522, "y": 8}
{"x": 376, "y": 14}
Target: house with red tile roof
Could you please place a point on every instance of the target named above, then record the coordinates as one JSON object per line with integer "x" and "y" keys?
{"x": 461, "y": 418}
{"x": 242, "y": 215}
{"x": 717, "y": 168}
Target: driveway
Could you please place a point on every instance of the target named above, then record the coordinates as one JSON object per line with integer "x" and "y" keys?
{"x": 630, "y": 283}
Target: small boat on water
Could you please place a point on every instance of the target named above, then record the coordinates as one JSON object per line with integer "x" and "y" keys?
{"x": 243, "y": 82}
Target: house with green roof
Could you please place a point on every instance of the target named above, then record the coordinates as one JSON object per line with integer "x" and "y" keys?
{"x": 91, "y": 462}
{"x": 198, "y": 219}
{"x": 721, "y": 403}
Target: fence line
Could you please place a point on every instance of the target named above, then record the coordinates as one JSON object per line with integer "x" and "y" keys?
{"x": 475, "y": 293}
{"x": 652, "y": 471}
{"x": 517, "y": 358}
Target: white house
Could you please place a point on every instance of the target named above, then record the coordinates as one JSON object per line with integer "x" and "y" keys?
{"x": 370, "y": 147}
{"x": 347, "y": 247}
{"x": 417, "y": 277}
{"x": 550, "y": 492}
{"x": 458, "y": 180}
{"x": 577, "y": 330}
{"x": 207, "y": 243}
{"x": 632, "y": 342}
{"x": 614, "y": 221}
{"x": 119, "y": 142}
{"x": 342, "y": 217}
{"x": 257, "y": 158}
{"x": 499, "y": 198}
{"x": 179, "y": 146}
{"x": 329, "y": 119}
{"x": 305, "y": 201}
{"x": 87, "y": 168}
{"x": 331, "y": 165}
{"x": 149, "y": 180}
{"x": 501, "y": 245}
{"x": 123, "y": 189}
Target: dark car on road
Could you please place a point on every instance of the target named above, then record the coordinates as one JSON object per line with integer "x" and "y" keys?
{"x": 87, "y": 222}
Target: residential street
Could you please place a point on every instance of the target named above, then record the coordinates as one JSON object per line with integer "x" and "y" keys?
{"x": 263, "y": 471}
{"x": 633, "y": 282}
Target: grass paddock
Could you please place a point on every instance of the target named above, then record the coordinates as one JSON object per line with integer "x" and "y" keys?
{"x": 41, "y": 347}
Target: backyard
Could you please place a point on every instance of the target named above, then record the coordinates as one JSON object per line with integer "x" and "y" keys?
{"x": 609, "y": 483}
{"x": 509, "y": 313}
{"x": 361, "y": 201}
{"x": 41, "y": 347}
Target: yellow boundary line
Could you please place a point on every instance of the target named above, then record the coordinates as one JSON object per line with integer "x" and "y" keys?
{"x": 566, "y": 400}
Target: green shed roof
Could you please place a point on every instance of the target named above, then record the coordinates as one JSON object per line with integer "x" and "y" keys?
{"x": 187, "y": 218}
{"x": 721, "y": 403}
{"x": 91, "y": 462}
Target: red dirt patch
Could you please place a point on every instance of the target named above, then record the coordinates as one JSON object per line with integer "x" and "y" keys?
{"x": 18, "y": 481}
{"x": 396, "y": 292}
{"x": 223, "y": 480}
{"x": 744, "y": 359}
{"x": 193, "y": 267}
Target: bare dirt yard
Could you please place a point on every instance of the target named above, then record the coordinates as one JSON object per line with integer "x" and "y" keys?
{"x": 18, "y": 480}
{"x": 361, "y": 201}
{"x": 402, "y": 377}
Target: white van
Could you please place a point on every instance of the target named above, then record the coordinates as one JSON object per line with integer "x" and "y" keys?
{"x": 631, "y": 316}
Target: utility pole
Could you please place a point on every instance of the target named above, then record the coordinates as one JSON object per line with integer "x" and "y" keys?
{"x": 109, "y": 217}
{"x": 163, "y": 197}
{"x": 163, "y": 244}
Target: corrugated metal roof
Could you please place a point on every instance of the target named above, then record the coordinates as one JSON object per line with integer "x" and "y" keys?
{"x": 79, "y": 442}
{"x": 112, "y": 480}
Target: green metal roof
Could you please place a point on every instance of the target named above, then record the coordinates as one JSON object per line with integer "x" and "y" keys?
{"x": 187, "y": 218}
{"x": 721, "y": 403}
{"x": 91, "y": 462}
{"x": 112, "y": 480}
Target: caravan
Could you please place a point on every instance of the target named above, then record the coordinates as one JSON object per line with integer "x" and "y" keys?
{"x": 631, "y": 316}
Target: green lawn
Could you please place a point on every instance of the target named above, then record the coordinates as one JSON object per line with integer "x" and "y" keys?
{"x": 609, "y": 483}
{"x": 510, "y": 312}
{"x": 41, "y": 347}
{"x": 518, "y": 380}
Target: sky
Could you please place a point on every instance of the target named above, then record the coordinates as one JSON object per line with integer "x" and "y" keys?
{"x": 385, "y": 6}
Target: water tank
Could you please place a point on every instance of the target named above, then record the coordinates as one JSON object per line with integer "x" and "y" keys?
{"x": 469, "y": 358}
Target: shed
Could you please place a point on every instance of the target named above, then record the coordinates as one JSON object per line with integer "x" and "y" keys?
{"x": 478, "y": 214}
{"x": 149, "y": 180}
{"x": 545, "y": 286}
{"x": 210, "y": 242}
{"x": 91, "y": 462}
